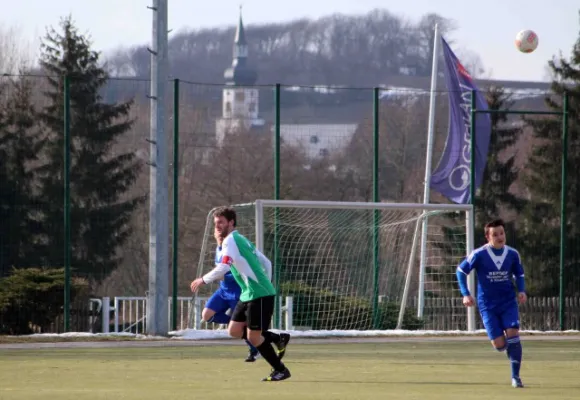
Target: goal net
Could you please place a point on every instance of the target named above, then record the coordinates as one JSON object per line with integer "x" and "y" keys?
{"x": 356, "y": 266}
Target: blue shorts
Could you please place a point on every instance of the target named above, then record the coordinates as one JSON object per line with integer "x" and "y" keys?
{"x": 498, "y": 320}
{"x": 221, "y": 302}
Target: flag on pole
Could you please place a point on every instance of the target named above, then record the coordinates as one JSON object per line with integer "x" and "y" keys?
{"x": 451, "y": 178}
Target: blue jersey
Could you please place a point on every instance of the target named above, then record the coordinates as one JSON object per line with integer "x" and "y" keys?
{"x": 228, "y": 285}
{"x": 496, "y": 269}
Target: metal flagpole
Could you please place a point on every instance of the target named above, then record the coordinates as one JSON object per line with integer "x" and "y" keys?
{"x": 428, "y": 162}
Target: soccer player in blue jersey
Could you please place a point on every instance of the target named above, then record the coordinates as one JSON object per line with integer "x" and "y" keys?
{"x": 497, "y": 265}
{"x": 225, "y": 298}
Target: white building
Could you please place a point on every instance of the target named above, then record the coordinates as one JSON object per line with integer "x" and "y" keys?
{"x": 240, "y": 110}
{"x": 318, "y": 140}
{"x": 239, "y": 99}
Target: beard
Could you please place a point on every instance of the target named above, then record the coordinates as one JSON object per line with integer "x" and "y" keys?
{"x": 222, "y": 235}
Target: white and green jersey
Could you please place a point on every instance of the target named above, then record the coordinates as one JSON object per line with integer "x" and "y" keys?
{"x": 247, "y": 267}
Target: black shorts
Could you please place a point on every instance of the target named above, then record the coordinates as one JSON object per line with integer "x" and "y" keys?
{"x": 256, "y": 313}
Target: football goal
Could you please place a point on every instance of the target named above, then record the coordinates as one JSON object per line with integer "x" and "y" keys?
{"x": 345, "y": 266}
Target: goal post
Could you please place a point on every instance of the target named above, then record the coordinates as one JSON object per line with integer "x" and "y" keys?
{"x": 325, "y": 268}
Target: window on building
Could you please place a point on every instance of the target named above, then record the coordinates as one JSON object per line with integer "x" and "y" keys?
{"x": 314, "y": 139}
{"x": 323, "y": 152}
{"x": 240, "y": 96}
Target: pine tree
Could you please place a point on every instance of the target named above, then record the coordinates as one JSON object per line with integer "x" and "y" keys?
{"x": 494, "y": 196}
{"x": 541, "y": 219}
{"x": 20, "y": 144}
{"x": 100, "y": 178}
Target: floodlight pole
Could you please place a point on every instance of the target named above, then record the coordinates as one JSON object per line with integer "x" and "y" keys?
{"x": 157, "y": 322}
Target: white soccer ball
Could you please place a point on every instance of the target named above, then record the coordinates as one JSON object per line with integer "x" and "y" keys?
{"x": 526, "y": 41}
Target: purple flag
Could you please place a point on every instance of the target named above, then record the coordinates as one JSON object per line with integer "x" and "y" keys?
{"x": 451, "y": 178}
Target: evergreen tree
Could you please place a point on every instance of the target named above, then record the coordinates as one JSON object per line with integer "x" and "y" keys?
{"x": 541, "y": 219}
{"x": 20, "y": 144}
{"x": 100, "y": 178}
{"x": 493, "y": 196}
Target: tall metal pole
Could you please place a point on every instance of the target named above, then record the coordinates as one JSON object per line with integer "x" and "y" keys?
{"x": 471, "y": 277}
{"x": 66, "y": 205}
{"x": 428, "y": 163}
{"x": 472, "y": 148}
{"x": 157, "y": 322}
{"x": 175, "y": 219}
{"x": 277, "y": 144}
{"x": 563, "y": 236}
{"x": 376, "y": 199}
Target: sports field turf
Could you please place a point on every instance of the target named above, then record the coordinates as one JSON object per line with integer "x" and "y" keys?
{"x": 401, "y": 370}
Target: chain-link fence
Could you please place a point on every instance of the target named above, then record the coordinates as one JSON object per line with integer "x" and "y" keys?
{"x": 238, "y": 144}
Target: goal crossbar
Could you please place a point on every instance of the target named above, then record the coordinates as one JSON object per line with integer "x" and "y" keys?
{"x": 361, "y": 205}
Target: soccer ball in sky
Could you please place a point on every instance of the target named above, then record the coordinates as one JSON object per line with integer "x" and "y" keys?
{"x": 526, "y": 41}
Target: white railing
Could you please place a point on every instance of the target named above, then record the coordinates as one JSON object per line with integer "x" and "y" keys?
{"x": 129, "y": 313}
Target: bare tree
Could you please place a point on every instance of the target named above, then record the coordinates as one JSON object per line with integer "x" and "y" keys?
{"x": 15, "y": 51}
{"x": 356, "y": 50}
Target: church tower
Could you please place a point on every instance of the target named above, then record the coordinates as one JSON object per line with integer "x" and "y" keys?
{"x": 239, "y": 98}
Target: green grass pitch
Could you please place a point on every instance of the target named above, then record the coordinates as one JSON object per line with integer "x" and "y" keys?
{"x": 397, "y": 370}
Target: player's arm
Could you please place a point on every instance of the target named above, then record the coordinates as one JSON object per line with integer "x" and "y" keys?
{"x": 215, "y": 274}
{"x": 463, "y": 270}
{"x": 266, "y": 263}
{"x": 518, "y": 273}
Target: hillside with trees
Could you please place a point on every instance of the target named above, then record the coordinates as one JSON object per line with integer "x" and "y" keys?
{"x": 352, "y": 50}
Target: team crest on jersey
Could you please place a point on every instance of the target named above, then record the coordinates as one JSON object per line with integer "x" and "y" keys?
{"x": 227, "y": 260}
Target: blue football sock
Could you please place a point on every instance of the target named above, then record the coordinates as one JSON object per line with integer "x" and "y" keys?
{"x": 220, "y": 318}
{"x": 252, "y": 348}
{"x": 514, "y": 351}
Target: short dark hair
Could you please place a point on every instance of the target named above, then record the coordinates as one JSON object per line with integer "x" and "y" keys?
{"x": 494, "y": 224}
{"x": 228, "y": 213}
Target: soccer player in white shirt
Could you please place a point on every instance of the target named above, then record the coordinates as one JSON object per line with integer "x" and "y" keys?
{"x": 226, "y": 298}
{"x": 253, "y": 313}
{"x": 497, "y": 265}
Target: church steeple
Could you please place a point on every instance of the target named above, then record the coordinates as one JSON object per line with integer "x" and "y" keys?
{"x": 240, "y": 39}
{"x": 240, "y": 99}
{"x": 240, "y": 73}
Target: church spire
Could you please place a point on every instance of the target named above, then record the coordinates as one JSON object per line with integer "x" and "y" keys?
{"x": 240, "y": 38}
{"x": 240, "y": 73}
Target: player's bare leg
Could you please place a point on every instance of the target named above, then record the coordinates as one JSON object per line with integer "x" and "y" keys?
{"x": 238, "y": 330}
{"x": 207, "y": 314}
{"x": 499, "y": 343}
{"x": 279, "y": 370}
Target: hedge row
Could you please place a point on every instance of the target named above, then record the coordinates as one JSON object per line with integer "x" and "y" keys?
{"x": 32, "y": 299}
{"x": 322, "y": 309}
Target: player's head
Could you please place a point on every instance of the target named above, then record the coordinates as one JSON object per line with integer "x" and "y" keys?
{"x": 224, "y": 219}
{"x": 495, "y": 233}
